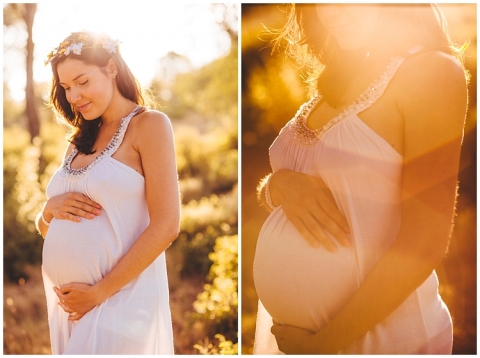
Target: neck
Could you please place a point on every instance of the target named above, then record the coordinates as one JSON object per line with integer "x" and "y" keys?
{"x": 118, "y": 108}
{"x": 336, "y": 77}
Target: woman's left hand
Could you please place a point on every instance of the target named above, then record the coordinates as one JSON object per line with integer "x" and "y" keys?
{"x": 77, "y": 299}
{"x": 294, "y": 340}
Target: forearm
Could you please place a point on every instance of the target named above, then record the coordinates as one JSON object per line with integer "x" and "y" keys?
{"x": 388, "y": 285}
{"x": 418, "y": 249}
{"x": 151, "y": 243}
{"x": 272, "y": 181}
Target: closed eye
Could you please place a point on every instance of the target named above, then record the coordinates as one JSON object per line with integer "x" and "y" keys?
{"x": 83, "y": 83}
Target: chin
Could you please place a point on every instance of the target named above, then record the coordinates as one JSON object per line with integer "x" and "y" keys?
{"x": 90, "y": 115}
{"x": 89, "y": 118}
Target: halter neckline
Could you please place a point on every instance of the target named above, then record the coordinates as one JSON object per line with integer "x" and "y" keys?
{"x": 108, "y": 151}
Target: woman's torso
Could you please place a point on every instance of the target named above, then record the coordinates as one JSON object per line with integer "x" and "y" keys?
{"x": 304, "y": 286}
{"x": 85, "y": 251}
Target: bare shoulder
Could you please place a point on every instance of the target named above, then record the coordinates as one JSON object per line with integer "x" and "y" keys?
{"x": 432, "y": 74}
{"x": 69, "y": 150}
{"x": 150, "y": 119}
{"x": 151, "y": 123}
{"x": 432, "y": 99}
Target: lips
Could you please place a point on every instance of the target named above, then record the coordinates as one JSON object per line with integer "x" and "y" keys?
{"x": 83, "y": 107}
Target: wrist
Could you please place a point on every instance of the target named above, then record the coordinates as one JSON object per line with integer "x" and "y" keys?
{"x": 100, "y": 292}
{"x": 268, "y": 196}
{"x": 44, "y": 221}
{"x": 46, "y": 215}
{"x": 275, "y": 184}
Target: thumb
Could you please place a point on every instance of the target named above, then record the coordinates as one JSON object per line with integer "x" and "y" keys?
{"x": 65, "y": 288}
{"x": 278, "y": 331}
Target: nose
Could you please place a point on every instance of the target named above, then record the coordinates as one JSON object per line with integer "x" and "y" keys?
{"x": 74, "y": 95}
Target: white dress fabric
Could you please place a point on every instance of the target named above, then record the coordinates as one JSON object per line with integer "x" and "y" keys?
{"x": 303, "y": 286}
{"x": 136, "y": 319}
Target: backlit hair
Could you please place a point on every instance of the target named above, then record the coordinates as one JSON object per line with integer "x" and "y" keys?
{"x": 400, "y": 27}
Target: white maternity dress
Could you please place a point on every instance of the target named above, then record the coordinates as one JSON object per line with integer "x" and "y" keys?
{"x": 303, "y": 286}
{"x": 136, "y": 319}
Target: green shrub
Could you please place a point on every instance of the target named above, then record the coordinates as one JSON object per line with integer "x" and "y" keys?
{"x": 223, "y": 347}
{"x": 217, "y": 305}
{"x": 201, "y": 223}
{"x": 23, "y": 197}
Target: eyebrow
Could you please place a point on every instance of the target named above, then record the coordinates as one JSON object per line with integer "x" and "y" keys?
{"x": 83, "y": 74}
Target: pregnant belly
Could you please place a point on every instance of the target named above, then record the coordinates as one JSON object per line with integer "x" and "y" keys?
{"x": 79, "y": 252}
{"x": 298, "y": 284}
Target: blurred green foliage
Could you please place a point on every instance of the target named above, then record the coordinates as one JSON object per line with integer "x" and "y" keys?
{"x": 23, "y": 196}
{"x": 207, "y": 159}
{"x": 223, "y": 346}
{"x": 202, "y": 222}
{"x": 218, "y": 303}
{"x": 21, "y": 243}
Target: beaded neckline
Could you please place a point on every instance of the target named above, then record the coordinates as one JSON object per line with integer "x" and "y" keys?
{"x": 309, "y": 137}
{"x": 115, "y": 142}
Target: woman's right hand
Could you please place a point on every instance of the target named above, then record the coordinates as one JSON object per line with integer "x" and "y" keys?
{"x": 71, "y": 206}
{"x": 309, "y": 205}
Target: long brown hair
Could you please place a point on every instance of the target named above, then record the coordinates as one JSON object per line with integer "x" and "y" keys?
{"x": 84, "y": 133}
{"x": 400, "y": 27}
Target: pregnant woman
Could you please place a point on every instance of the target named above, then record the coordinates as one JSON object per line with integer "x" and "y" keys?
{"x": 363, "y": 187}
{"x": 112, "y": 208}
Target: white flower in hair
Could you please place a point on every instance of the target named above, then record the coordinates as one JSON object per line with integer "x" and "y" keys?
{"x": 76, "y": 48}
{"x": 71, "y": 46}
{"x": 68, "y": 49}
{"x": 111, "y": 45}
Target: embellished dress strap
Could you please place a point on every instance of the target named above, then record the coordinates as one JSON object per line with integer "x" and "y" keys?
{"x": 111, "y": 148}
{"x": 309, "y": 137}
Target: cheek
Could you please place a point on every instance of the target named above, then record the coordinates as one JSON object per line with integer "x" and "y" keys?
{"x": 367, "y": 20}
{"x": 101, "y": 91}
{"x": 106, "y": 86}
{"x": 352, "y": 26}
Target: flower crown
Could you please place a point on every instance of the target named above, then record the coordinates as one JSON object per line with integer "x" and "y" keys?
{"x": 76, "y": 46}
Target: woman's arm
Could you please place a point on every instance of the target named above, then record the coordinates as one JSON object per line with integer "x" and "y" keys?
{"x": 155, "y": 145}
{"x": 433, "y": 104}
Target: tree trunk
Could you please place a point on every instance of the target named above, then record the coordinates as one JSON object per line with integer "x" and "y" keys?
{"x": 31, "y": 102}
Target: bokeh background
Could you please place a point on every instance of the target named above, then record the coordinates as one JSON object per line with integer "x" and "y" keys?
{"x": 186, "y": 57}
{"x": 272, "y": 90}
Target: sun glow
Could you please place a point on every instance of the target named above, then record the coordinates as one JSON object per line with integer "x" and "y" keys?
{"x": 147, "y": 31}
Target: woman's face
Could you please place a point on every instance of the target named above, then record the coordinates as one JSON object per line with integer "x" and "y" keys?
{"x": 352, "y": 25}
{"x": 88, "y": 88}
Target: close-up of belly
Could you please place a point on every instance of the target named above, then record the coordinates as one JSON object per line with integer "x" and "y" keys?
{"x": 299, "y": 284}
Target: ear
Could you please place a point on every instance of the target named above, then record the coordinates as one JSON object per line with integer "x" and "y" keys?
{"x": 111, "y": 68}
